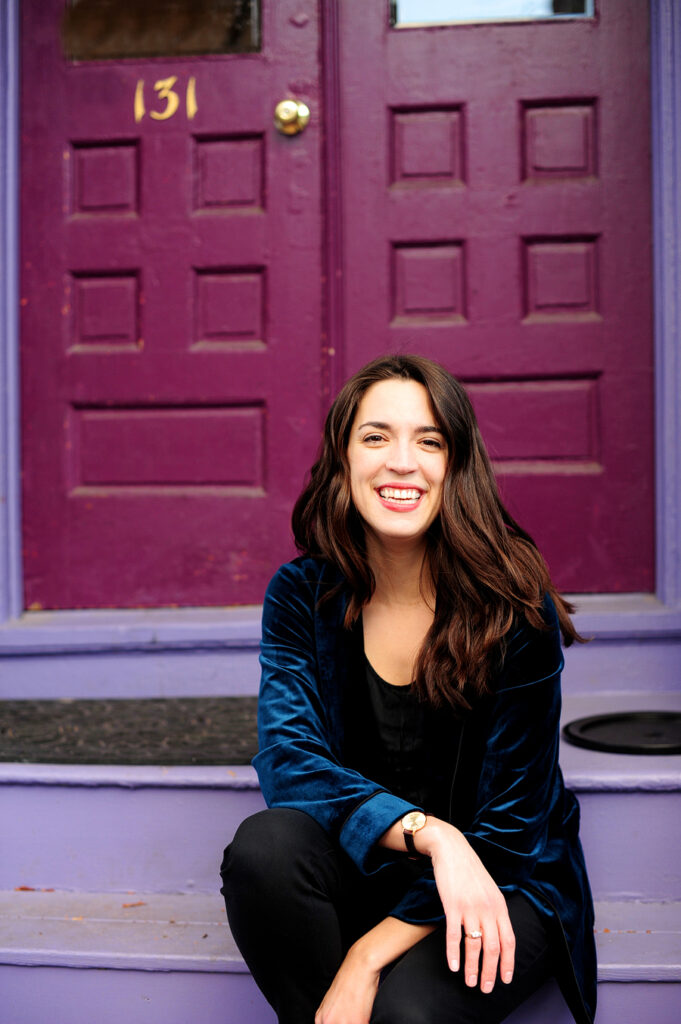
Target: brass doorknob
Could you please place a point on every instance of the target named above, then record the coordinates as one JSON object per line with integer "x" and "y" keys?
{"x": 291, "y": 117}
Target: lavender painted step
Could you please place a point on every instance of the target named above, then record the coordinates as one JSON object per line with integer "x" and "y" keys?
{"x": 630, "y": 806}
{"x": 96, "y": 828}
{"x": 100, "y": 828}
{"x": 158, "y": 652}
{"x": 166, "y": 955}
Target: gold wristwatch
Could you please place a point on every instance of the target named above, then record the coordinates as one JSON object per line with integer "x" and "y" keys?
{"x": 411, "y": 823}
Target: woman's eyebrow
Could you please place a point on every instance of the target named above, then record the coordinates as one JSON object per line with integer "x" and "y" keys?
{"x": 374, "y": 423}
{"x": 377, "y": 425}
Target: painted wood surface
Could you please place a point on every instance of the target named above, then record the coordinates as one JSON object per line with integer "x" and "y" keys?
{"x": 496, "y": 217}
{"x": 494, "y": 185}
{"x": 171, "y": 317}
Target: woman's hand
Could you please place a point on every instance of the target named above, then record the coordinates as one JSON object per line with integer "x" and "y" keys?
{"x": 350, "y": 998}
{"x": 473, "y": 902}
{"x": 471, "y": 899}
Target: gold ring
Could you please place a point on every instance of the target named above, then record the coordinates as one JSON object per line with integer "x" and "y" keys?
{"x": 473, "y": 935}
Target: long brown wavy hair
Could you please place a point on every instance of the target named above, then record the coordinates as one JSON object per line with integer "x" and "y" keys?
{"x": 486, "y": 570}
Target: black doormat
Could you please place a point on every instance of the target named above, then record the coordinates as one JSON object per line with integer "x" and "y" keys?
{"x": 173, "y": 731}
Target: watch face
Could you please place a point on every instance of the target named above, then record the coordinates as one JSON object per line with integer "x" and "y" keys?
{"x": 413, "y": 821}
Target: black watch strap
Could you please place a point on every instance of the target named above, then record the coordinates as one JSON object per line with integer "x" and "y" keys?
{"x": 410, "y": 844}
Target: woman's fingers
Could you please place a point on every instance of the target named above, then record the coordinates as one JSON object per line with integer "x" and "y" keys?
{"x": 471, "y": 899}
{"x": 489, "y": 946}
{"x": 453, "y": 941}
{"x": 473, "y": 948}
{"x": 507, "y": 961}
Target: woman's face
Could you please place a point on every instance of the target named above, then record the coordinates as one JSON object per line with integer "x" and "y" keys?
{"x": 398, "y": 460}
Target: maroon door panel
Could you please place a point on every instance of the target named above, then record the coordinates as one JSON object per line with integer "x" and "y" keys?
{"x": 171, "y": 316}
{"x": 496, "y": 190}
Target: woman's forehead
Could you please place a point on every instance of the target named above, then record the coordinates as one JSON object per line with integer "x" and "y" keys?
{"x": 396, "y": 401}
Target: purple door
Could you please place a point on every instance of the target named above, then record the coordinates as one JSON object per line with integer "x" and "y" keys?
{"x": 497, "y": 218}
{"x": 171, "y": 309}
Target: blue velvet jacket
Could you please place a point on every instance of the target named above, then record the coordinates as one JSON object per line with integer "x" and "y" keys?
{"x": 508, "y": 795}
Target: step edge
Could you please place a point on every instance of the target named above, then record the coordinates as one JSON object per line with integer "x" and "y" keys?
{"x": 236, "y": 777}
{"x": 244, "y": 777}
{"x": 622, "y": 782}
{"x": 621, "y": 973}
{"x": 76, "y": 959}
{"x": 612, "y": 972}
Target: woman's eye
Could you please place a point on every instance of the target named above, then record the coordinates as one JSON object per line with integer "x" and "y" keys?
{"x": 432, "y": 442}
{"x": 373, "y": 437}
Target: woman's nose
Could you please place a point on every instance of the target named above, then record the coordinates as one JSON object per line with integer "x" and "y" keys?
{"x": 401, "y": 458}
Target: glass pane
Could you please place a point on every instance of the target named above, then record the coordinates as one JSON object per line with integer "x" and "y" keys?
{"x": 108, "y": 29}
{"x": 444, "y": 12}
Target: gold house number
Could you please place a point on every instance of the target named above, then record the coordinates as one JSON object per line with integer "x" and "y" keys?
{"x": 166, "y": 92}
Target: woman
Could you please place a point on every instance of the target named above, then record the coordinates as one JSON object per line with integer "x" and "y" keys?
{"x": 420, "y": 858}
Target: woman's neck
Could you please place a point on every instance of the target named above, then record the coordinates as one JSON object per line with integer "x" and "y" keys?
{"x": 400, "y": 574}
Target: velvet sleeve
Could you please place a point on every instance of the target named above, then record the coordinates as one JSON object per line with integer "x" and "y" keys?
{"x": 297, "y": 765}
{"x": 520, "y": 781}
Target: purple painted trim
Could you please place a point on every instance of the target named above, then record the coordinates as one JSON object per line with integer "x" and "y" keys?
{"x": 119, "y": 960}
{"x": 665, "y": 24}
{"x": 630, "y": 616}
{"x": 238, "y": 777}
{"x": 625, "y": 616}
{"x": 604, "y": 617}
{"x": 152, "y": 629}
{"x": 10, "y": 521}
{"x": 145, "y": 673}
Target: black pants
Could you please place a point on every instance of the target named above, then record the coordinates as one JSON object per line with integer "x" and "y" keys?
{"x": 296, "y": 902}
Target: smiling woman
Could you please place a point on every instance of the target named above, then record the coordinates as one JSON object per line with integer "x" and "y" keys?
{"x": 398, "y": 459}
{"x": 417, "y": 635}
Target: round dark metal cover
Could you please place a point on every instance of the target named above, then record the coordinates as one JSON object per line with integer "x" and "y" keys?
{"x": 628, "y": 732}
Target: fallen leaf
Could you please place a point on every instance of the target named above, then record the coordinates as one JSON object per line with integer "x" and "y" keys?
{"x": 140, "y": 903}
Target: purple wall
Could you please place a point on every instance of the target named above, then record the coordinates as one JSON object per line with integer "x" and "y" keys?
{"x": 638, "y": 637}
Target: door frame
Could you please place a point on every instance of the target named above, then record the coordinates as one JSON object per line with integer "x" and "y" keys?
{"x": 155, "y": 643}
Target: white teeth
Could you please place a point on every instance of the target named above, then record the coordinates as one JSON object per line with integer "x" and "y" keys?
{"x": 400, "y": 494}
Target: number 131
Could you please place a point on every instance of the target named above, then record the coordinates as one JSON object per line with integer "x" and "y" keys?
{"x": 164, "y": 88}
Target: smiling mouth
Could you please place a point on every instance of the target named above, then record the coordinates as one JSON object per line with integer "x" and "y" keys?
{"x": 405, "y": 494}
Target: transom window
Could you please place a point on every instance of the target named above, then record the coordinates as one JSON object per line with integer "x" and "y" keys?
{"x": 446, "y": 12}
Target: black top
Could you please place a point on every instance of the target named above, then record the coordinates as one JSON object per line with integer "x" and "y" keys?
{"x": 399, "y": 741}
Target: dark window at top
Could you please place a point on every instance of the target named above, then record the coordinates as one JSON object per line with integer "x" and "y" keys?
{"x": 108, "y": 29}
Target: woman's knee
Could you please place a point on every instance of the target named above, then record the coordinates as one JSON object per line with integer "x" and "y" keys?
{"x": 265, "y": 843}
